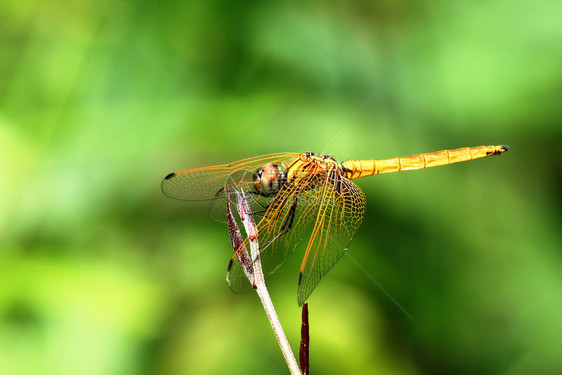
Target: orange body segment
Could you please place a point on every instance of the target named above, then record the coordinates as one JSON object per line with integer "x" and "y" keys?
{"x": 353, "y": 169}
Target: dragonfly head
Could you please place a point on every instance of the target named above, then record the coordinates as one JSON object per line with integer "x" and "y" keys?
{"x": 269, "y": 179}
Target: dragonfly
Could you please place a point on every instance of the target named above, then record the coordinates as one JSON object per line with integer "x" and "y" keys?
{"x": 300, "y": 199}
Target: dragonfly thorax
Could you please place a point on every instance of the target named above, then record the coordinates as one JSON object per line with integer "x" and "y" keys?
{"x": 320, "y": 159}
{"x": 269, "y": 179}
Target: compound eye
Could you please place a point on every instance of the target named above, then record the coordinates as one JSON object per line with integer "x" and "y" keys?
{"x": 257, "y": 180}
{"x": 266, "y": 181}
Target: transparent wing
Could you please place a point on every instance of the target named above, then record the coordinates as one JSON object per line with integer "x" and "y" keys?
{"x": 312, "y": 208}
{"x": 239, "y": 180}
{"x": 208, "y": 182}
{"x": 338, "y": 218}
{"x": 283, "y": 226}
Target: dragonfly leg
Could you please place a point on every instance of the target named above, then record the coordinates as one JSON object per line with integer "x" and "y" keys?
{"x": 286, "y": 226}
{"x": 258, "y": 202}
{"x": 258, "y": 212}
{"x": 288, "y": 223}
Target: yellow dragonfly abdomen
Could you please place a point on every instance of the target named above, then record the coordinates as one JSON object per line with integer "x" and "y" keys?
{"x": 353, "y": 169}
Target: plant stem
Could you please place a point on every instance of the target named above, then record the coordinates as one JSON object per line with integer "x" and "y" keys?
{"x": 259, "y": 283}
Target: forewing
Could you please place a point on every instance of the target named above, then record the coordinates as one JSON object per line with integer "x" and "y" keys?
{"x": 209, "y": 182}
{"x": 241, "y": 179}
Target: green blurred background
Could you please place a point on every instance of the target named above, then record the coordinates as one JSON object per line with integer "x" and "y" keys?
{"x": 102, "y": 274}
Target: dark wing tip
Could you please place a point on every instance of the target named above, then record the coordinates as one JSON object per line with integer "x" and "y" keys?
{"x": 503, "y": 148}
{"x": 170, "y": 176}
